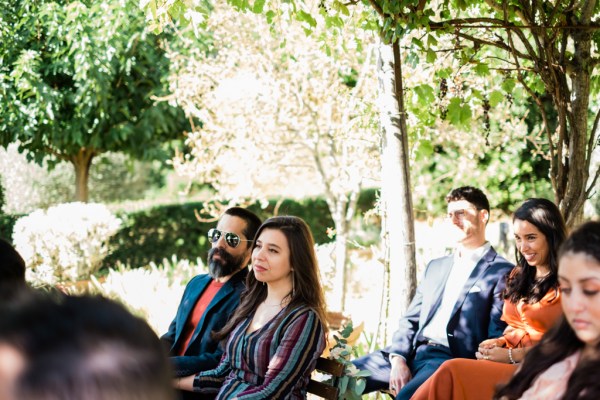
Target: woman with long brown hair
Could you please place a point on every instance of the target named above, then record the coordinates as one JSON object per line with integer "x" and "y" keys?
{"x": 277, "y": 333}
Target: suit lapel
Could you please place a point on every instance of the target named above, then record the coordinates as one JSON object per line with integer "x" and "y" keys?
{"x": 190, "y": 302}
{"x": 222, "y": 294}
{"x": 438, "y": 291}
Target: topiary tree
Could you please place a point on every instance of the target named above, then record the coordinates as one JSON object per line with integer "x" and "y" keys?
{"x": 81, "y": 78}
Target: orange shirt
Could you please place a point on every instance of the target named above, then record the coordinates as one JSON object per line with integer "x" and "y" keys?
{"x": 197, "y": 313}
{"x": 530, "y": 321}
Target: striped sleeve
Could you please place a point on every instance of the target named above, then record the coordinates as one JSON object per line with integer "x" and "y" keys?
{"x": 302, "y": 342}
{"x": 212, "y": 380}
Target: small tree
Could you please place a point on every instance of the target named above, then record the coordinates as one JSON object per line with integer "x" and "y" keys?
{"x": 283, "y": 118}
{"x": 79, "y": 79}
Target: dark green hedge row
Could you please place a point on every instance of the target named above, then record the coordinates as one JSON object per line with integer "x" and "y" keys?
{"x": 159, "y": 232}
{"x": 7, "y": 222}
{"x": 162, "y": 231}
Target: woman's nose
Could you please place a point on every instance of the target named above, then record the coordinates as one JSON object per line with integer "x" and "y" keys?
{"x": 257, "y": 253}
{"x": 574, "y": 302}
{"x": 523, "y": 247}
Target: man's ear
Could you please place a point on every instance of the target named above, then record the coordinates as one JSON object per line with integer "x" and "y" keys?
{"x": 485, "y": 216}
{"x": 248, "y": 256}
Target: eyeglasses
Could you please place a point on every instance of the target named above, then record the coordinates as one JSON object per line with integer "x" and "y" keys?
{"x": 231, "y": 239}
{"x": 460, "y": 213}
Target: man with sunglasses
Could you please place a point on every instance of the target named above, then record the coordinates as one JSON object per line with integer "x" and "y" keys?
{"x": 209, "y": 299}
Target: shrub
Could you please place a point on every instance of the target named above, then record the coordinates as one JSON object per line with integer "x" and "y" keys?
{"x": 152, "y": 234}
{"x": 65, "y": 243}
{"x": 1, "y": 196}
{"x": 7, "y": 223}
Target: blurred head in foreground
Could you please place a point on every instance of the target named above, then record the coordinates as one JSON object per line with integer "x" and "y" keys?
{"x": 79, "y": 347}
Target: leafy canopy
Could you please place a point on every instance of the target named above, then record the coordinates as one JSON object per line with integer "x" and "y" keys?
{"x": 82, "y": 74}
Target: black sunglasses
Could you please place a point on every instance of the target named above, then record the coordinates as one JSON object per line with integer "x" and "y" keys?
{"x": 231, "y": 239}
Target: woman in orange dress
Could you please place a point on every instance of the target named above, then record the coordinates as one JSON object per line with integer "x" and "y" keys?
{"x": 531, "y": 307}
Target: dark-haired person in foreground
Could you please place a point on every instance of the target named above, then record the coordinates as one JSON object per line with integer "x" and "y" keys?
{"x": 209, "y": 300}
{"x": 56, "y": 347}
{"x": 12, "y": 274}
{"x": 565, "y": 365}
{"x": 457, "y": 305}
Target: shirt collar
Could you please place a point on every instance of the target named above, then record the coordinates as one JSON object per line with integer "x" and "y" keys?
{"x": 472, "y": 254}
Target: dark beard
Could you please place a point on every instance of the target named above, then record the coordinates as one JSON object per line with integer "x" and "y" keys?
{"x": 226, "y": 266}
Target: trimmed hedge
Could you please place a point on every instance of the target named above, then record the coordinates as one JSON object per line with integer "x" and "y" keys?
{"x": 7, "y": 223}
{"x": 159, "y": 232}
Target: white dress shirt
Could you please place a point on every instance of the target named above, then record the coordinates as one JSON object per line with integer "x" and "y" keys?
{"x": 463, "y": 265}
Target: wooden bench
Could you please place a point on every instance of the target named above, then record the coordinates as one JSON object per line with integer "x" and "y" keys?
{"x": 326, "y": 390}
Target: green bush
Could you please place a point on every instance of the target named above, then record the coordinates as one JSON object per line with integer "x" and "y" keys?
{"x": 1, "y": 196}
{"x": 7, "y": 223}
{"x": 159, "y": 232}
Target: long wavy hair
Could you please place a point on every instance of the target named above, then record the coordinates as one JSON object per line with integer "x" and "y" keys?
{"x": 561, "y": 341}
{"x": 522, "y": 283}
{"x": 307, "y": 290}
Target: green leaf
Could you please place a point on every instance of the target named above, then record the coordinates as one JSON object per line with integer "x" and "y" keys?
{"x": 431, "y": 41}
{"x": 482, "y": 69}
{"x": 270, "y": 15}
{"x": 306, "y": 17}
{"x": 459, "y": 114}
{"x": 258, "y": 6}
{"x": 343, "y": 384}
{"x": 495, "y": 98}
{"x": 445, "y": 73}
{"x": 424, "y": 150}
{"x": 425, "y": 94}
{"x": 417, "y": 42}
{"x": 431, "y": 56}
{"x": 508, "y": 85}
{"x": 359, "y": 386}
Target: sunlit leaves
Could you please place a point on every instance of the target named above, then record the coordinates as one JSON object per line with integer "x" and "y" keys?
{"x": 495, "y": 98}
{"x": 459, "y": 113}
{"x": 425, "y": 94}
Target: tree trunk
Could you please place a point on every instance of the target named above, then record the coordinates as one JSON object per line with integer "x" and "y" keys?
{"x": 574, "y": 191}
{"x": 396, "y": 198}
{"x": 82, "y": 161}
{"x": 342, "y": 211}
{"x": 341, "y": 256}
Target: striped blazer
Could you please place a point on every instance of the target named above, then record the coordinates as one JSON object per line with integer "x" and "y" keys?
{"x": 273, "y": 362}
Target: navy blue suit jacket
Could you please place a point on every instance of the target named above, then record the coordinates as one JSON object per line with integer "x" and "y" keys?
{"x": 203, "y": 353}
{"x": 476, "y": 314}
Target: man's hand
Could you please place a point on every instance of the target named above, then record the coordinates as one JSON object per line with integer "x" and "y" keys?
{"x": 184, "y": 383}
{"x": 400, "y": 374}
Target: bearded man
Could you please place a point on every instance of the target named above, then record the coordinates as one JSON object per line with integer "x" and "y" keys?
{"x": 210, "y": 299}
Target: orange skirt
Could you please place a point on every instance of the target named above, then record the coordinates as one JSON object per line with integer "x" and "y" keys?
{"x": 465, "y": 379}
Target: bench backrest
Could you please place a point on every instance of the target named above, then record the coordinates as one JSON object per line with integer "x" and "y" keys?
{"x": 326, "y": 390}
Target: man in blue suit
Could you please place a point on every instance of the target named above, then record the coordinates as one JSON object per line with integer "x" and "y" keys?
{"x": 457, "y": 305}
{"x": 210, "y": 299}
